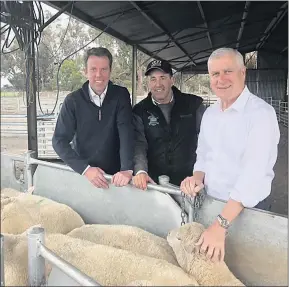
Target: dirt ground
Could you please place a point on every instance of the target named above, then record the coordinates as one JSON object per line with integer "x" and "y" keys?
{"x": 278, "y": 197}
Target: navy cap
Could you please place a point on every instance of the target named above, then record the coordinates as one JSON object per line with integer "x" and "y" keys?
{"x": 163, "y": 66}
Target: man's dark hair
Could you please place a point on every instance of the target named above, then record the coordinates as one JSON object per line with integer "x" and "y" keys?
{"x": 99, "y": 52}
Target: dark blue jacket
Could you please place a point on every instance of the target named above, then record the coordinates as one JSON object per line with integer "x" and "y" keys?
{"x": 81, "y": 138}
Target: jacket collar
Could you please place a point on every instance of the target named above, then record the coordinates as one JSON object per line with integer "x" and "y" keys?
{"x": 149, "y": 101}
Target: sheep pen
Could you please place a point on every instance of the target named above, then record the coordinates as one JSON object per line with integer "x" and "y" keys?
{"x": 107, "y": 265}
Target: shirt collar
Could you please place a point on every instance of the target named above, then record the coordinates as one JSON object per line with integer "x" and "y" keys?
{"x": 157, "y": 103}
{"x": 241, "y": 101}
{"x": 92, "y": 94}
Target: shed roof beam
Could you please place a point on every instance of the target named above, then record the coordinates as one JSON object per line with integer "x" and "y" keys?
{"x": 60, "y": 12}
{"x": 205, "y": 22}
{"x": 244, "y": 19}
{"x": 160, "y": 27}
{"x": 273, "y": 24}
{"x": 285, "y": 49}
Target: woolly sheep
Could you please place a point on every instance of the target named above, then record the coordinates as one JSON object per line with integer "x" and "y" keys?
{"x": 141, "y": 283}
{"x": 15, "y": 260}
{"x": 207, "y": 273}
{"x": 116, "y": 267}
{"x": 21, "y": 212}
{"x": 127, "y": 237}
{"x": 9, "y": 192}
{"x": 109, "y": 266}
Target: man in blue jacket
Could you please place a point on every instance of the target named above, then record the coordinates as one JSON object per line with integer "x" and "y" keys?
{"x": 94, "y": 133}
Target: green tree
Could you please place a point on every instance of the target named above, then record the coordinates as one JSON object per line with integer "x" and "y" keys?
{"x": 70, "y": 76}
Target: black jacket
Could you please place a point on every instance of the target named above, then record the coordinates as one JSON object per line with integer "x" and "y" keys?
{"x": 162, "y": 149}
{"x": 105, "y": 143}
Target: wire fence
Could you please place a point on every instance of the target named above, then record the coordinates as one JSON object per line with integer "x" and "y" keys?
{"x": 281, "y": 109}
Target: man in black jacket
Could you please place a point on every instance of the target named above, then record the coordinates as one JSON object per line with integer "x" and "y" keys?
{"x": 94, "y": 132}
{"x": 166, "y": 125}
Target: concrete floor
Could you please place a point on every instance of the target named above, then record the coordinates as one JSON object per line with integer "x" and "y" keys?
{"x": 279, "y": 194}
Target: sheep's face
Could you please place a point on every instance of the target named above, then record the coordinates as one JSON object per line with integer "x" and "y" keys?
{"x": 182, "y": 240}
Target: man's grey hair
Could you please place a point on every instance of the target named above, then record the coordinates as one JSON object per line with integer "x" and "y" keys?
{"x": 98, "y": 52}
{"x": 225, "y": 51}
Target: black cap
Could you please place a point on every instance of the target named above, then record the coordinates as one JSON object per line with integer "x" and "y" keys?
{"x": 163, "y": 66}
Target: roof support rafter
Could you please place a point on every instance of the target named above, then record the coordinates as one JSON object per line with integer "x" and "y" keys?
{"x": 60, "y": 12}
{"x": 285, "y": 49}
{"x": 205, "y": 22}
{"x": 244, "y": 19}
{"x": 220, "y": 46}
{"x": 101, "y": 26}
{"x": 160, "y": 27}
{"x": 272, "y": 25}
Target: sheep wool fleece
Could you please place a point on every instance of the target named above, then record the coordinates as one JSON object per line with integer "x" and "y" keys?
{"x": 111, "y": 266}
{"x": 21, "y": 212}
{"x": 126, "y": 237}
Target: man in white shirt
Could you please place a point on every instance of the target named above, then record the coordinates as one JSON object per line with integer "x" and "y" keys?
{"x": 237, "y": 148}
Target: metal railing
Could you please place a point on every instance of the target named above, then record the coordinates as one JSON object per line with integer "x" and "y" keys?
{"x": 281, "y": 109}
{"x": 37, "y": 253}
{"x": 12, "y": 125}
{"x": 30, "y": 160}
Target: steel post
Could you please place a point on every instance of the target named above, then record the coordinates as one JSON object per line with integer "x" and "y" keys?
{"x": 29, "y": 168}
{"x": 36, "y": 263}
{"x": 2, "y": 261}
{"x": 31, "y": 88}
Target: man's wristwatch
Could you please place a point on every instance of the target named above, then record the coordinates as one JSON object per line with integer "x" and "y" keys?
{"x": 223, "y": 221}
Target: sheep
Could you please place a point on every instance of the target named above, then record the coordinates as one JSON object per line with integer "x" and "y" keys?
{"x": 21, "y": 212}
{"x": 140, "y": 283}
{"x": 9, "y": 192}
{"x": 107, "y": 265}
{"x": 127, "y": 237}
{"x": 207, "y": 273}
{"x": 15, "y": 260}
{"x": 111, "y": 266}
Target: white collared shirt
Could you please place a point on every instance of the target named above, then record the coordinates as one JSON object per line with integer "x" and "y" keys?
{"x": 97, "y": 99}
{"x": 237, "y": 149}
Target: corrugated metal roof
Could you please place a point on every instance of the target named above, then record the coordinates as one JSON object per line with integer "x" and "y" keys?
{"x": 186, "y": 32}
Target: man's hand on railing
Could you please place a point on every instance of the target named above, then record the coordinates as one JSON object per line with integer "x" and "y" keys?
{"x": 141, "y": 180}
{"x": 122, "y": 178}
{"x": 96, "y": 176}
{"x": 191, "y": 185}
